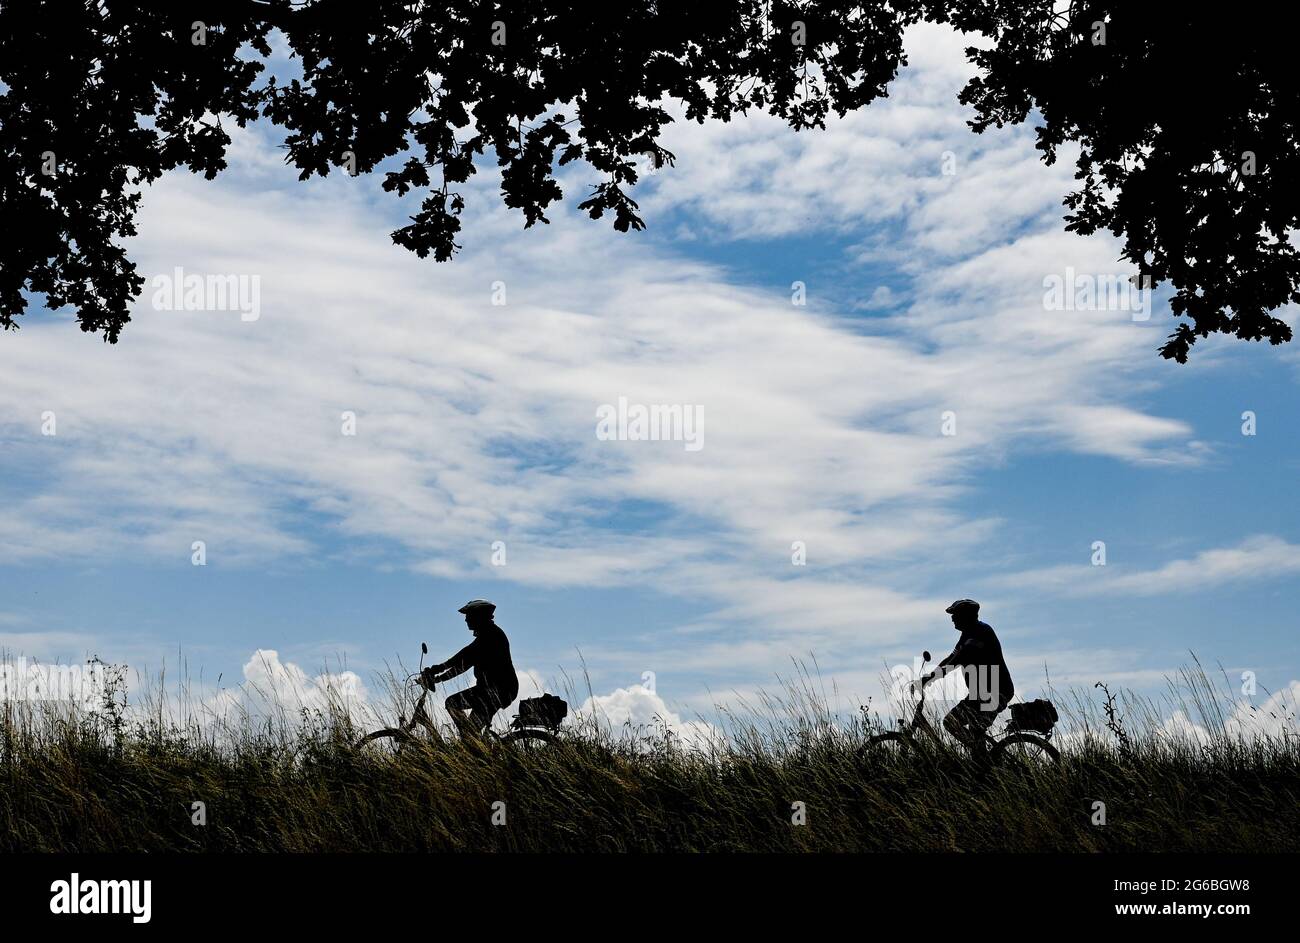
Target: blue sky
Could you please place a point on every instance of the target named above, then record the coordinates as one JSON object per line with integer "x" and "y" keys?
{"x": 822, "y": 425}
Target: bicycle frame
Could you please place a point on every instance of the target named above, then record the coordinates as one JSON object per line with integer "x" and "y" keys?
{"x": 919, "y": 722}
{"x": 421, "y": 716}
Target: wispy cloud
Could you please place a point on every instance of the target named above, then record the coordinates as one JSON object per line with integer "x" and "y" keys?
{"x": 1257, "y": 558}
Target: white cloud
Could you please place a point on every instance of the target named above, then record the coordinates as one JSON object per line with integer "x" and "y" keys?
{"x": 1260, "y": 557}
{"x": 1274, "y": 719}
{"x": 636, "y": 711}
{"x": 273, "y": 689}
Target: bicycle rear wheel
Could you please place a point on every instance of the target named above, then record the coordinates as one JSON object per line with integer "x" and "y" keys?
{"x": 1025, "y": 751}
{"x": 531, "y": 739}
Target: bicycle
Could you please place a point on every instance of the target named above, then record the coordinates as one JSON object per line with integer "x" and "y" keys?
{"x": 526, "y": 733}
{"x": 1015, "y": 744}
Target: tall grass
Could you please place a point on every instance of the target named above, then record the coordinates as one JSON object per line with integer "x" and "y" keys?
{"x": 119, "y": 776}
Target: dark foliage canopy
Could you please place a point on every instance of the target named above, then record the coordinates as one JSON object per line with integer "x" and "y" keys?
{"x": 1186, "y": 122}
{"x": 1186, "y": 119}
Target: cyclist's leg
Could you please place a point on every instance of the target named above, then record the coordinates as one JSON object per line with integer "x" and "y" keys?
{"x": 457, "y": 705}
{"x": 957, "y": 720}
{"x": 969, "y": 721}
{"x": 481, "y": 707}
{"x": 985, "y": 714}
{"x": 481, "y": 716}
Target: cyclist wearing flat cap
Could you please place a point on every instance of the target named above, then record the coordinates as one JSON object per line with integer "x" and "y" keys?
{"x": 988, "y": 681}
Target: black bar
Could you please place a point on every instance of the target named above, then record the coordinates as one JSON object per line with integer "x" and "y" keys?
{"x": 391, "y": 893}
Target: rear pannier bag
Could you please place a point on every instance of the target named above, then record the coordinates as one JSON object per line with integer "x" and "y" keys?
{"x": 1039, "y": 716}
{"x": 545, "y": 711}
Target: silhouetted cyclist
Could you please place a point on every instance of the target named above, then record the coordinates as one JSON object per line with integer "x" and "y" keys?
{"x": 495, "y": 683}
{"x": 988, "y": 682}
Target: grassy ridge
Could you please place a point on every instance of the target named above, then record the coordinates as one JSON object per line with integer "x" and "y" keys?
{"x": 97, "y": 781}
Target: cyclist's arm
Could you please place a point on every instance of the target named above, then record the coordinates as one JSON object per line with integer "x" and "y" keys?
{"x": 457, "y": 664}
{"x": 952, "y": 662}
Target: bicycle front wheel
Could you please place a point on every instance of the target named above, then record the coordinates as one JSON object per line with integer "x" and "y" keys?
{"x": 388, "y": 741}
{"x": 888, "y": 745}
{"x": 1025, "y": 751}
